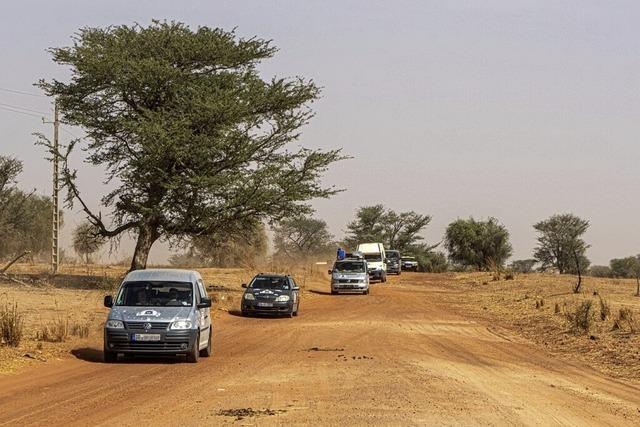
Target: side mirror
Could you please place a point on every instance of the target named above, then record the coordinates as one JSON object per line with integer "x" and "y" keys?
{"x": 108, "y": 301}
{"x": 205, "y": 303}
{"x": 296, "y": 288}
{"x": 330, "y": 271}
{"x": 244, "y": 285}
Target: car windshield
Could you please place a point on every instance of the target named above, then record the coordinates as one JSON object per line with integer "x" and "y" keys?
{"x": 373, "y": 257}
{"x": 393, "y": 255}
{"x": 281, "y": 283}
{"x": 155, "y": 294}
{"x": 350, "y": 266}
{"x": 410, "y": 258}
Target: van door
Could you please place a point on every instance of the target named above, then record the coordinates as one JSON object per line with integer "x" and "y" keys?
{"x": 205, "y": 318}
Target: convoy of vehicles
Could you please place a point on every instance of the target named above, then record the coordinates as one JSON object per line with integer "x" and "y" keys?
{"x": 350, "y": 275}
{"x": 271, "y": 294}
{"x": 159, "y": 311}
{"x": 166, "y": 311}
{"x": 393, "y": 262}
{"x": 374, "y": 254}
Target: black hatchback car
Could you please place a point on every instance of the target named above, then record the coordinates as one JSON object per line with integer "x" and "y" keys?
{"x": 271, "y": 294}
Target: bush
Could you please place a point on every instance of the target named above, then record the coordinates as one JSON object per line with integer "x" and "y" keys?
{"x": 625, "y": 317}
{"x": 605, "y": 309}
{"x": 11, "y": 324}
{"x": 56, "y": 330}
{"x": 80, "y": 329}
{"x": 582, "y": 318}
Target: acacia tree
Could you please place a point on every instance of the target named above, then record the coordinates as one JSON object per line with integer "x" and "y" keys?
{"x": 395, "y": 230}
{"x": 303, "y": 236}
{"x": 479, "y": 244}
{"x": 560, "y": 245}
{"x": 194, "y": 140}
{"x": 25, "y": 217}
{"x": 87, "y": 241}
{"x": 223, "y": 250}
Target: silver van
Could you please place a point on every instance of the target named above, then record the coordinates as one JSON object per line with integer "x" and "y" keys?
{"x": 161, "y": 311}
{"x": 350, "y": 275}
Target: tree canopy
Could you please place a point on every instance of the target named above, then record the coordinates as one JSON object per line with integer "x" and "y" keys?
{"x": 303, "y": 237}
{"x": 560, "y": 243}
{"x": 87, "y": 240}
{"x": 479, "y": 244}
{"x": 25, "y": 218}
{"x": 193, "y": 139}
{"x": 400, "y": 231}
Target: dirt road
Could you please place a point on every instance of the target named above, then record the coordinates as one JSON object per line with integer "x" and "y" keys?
{"x": 400, "y": 356}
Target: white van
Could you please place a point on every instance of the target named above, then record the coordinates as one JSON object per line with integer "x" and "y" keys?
{"x": 376, "y": 260}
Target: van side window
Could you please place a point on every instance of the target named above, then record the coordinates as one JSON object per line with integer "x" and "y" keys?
{"x": 202, "y": 292}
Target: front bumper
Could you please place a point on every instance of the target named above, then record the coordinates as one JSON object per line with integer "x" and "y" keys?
{"x": 393, "y": 269}
{"x": 376, "y": 274}
{"x": 349, "y": 287}
{"x": 171, "y": 342}
{"x": 277, "y": 307}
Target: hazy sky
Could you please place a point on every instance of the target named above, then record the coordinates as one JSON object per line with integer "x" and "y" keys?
{"x": 512, "y": 109}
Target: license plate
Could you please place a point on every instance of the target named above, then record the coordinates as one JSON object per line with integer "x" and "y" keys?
{"x": 265, "y": 304}
{"x": 146, "y": 337}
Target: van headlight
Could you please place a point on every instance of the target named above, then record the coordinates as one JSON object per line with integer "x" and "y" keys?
{"x": 181, "y": 324}
{"x": 114, "y": 324}
{"x": 282, "y": 298}
{"x": 249, "y": 297}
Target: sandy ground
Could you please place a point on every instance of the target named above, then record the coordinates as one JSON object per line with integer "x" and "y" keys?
{"x": 410, "y": 353}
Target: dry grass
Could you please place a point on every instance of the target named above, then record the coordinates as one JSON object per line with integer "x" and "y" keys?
{"x": 599, "y": 330}
{"x": 56, "y": 330}
{"x": 11, "y": 324}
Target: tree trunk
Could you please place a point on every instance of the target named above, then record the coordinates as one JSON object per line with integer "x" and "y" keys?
{"x": 578, "y": 267}
{"x": 147, "y": 235}
{"x": 638, "y": 286}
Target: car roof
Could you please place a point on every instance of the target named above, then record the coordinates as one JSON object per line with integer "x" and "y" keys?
{"x": 163, "y": 274}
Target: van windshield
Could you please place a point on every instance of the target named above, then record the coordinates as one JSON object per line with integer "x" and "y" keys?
{"x": 349, "y": 266}
{"x": 373, "y": 257}
{"x": 155, "y": 294}
{"x": 393, "y": 255}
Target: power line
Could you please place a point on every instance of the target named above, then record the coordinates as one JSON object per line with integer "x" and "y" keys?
{"x": 22, "y": 93}
{"x": 21, "y": 112}
{"x": 23, "y": 108}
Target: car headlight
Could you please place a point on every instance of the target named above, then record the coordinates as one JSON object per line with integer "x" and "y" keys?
{"x": 282, "y": 298}
{"x": 249, "y": 297}
{"x": 114, "y": 324}
{"x": 181, "y": 324}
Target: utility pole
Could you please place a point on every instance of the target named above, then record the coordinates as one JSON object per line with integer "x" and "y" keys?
{"x": 55, "y": 251}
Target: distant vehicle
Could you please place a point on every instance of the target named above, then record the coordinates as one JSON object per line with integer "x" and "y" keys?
{"x": 393, "y": 262}
{"x": 271, "y": 294}
{"x": 409, "y": 263}
{"x": 374, "y": 254}
{"x": 160, "y": 311}
{"x": 350, "y": 275}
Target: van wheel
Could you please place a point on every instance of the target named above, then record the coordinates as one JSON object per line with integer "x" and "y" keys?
{"x": 194, "y": 353}
{"x": 207, "y": 351}
{"x": 110, "y": 356}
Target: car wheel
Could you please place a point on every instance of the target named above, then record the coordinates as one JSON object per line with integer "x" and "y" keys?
{"x": 295, "y": 313}
{"x": 244, "y": 313}
{"x": 334, "y": 292}
{"x": 194, "y": 351}
{"x": 207, "y": 351}
{"x": 366, "y": 292}
{"x": 110, "y": 356}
